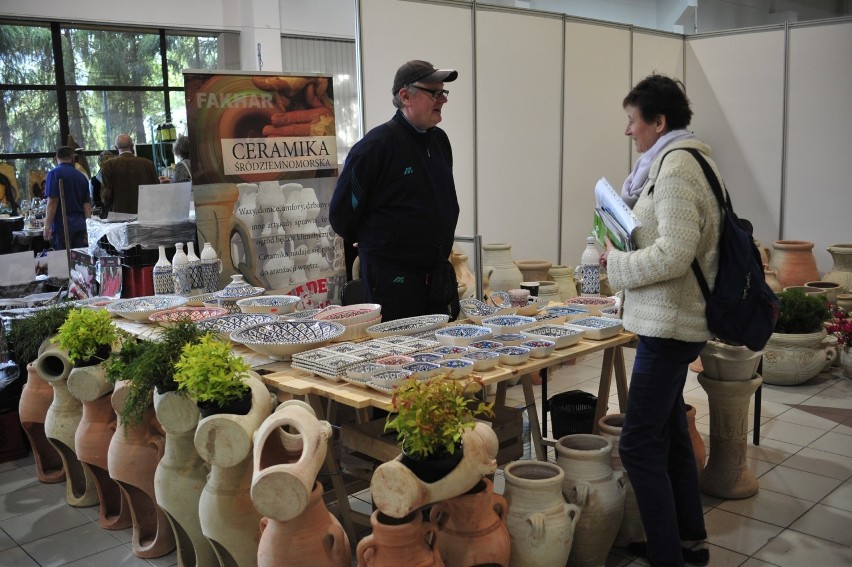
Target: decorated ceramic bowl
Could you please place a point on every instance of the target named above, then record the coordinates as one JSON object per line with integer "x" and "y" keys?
{"x": 140, "y": 308}
{"x": 483, "y": 360}
{"x": 224, "y": 325}
{"x": 456, "y": 368}
{"x": 461, "y": 335}
{"x": 351, "y": 314}
{"x": 567, "y": 312}
{"x": 203, "y": 300}
{"x": 427, "y": 357}
{"x": 451, "y": 351}
{"x": 533, "y": 306}
{"x": 422, "y": 370}
{"x": 513, "y": 355}
{"x": 229, "y": 296}
{"x": 395, "y": 360}
{"x": 389, "y": 378}
{"x": 276, "y": 304}
{"x": 96, "y": 303}
{"x": 593, "y": 303}
{"x": 169, "y": 317}
{"x": 510, "y": 339}
{"x": 408, "y": 325}
{"x": 476, "y": 310}
{"x": 539, "y": 348}
{"x": 486, "y": 344}
{"x": 563, "y": 336}
{"x": 364, "y": 371}
{"x": 279, "y": 340}
{"x": 502, "y": 324}
{"x": 500, "y": 299}
{"x": 598, "y": 328}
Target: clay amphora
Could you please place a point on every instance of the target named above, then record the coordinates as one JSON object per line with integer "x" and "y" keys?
{"x": 472, "y": 527}
{"x": 397, "y": 542}
{"x": 134, "y": 452}
{"x": 534, "y": 270}
{"x": 564, "y": 278}
{"x": 501, "y": 270}
{"x": 180, "y": 477}
{"x": 540, "y": 523}
{"x": 464, "y": 275}
{"x": 794, "y": 262}
{"x": 631, "y": 529}
{"x": 591, "y": 483}
{"x": 698, "y": 448}
{"x": 314, "y": 538}
{"x": 841, "y": 272}
{"x": 36, "y": 397}
{"x": 772, "y": 279}
{"x": 91, "y": 442}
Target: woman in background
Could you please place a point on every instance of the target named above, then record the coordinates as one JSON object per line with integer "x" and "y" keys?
{"x": 182, "y": 170}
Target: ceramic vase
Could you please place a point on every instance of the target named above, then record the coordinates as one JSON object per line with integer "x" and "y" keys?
{"x": 314, "y": 538}
{"x": 831, "y": 289}
{"x": 472, "y": 528}
{"x": 846, "y": 361}
{"x": 698, "y": 447}
{"x": 794, "y": 262}
{"x": 498, "y": 266}
{"x": 134, "y": 453}
{"x": 631, "y": 528}
{"x": 211, "y": 267}
{"x": 548, "y": 290}
{"x": 772, "y": 279}
{"x": 464, "y": 275}
{"x": 196, "y": 283}
{"x": 727, "y": 474}
{"x": 92, "y": 439}
{"x": 791, "y": 359}
{"x": 60, "y": 425}
{"x": 841, "y": 272}
{"x": 591, "y": 483}
{"x": 399, "y": 541}
{"x": 228, "y": 518}
{"x": 180, "y": 477}
{"x": 534, "y": 270}
{"x": 844, "y": 300}
{"x": 721, "y": 361}
{"x": 564, "y": 278}
{"x": 162, "y": 273}
{"x": 180, "y": 271}
{"x": 540, "y": 522}
{"x": 36, "y": 397}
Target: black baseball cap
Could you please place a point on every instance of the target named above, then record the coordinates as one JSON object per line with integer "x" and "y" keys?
{"x": 417, "y": 70}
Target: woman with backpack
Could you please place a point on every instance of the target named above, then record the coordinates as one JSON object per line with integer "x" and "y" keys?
{"x": 663, "y": 304}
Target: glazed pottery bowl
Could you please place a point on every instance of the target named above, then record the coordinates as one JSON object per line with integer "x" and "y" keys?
{"x": 594, "y": 304}
{"x": 395, "y": 360}
{"x": 229, "y": 296}
{"x": 408, "y": 326}
{"x": 533, "y": 306}
{"x": 513, "y": 355}
{"x": 483, "y": 360}
{"x": 140, "y": 308}
{"x": 476, "y": 310}
{"x": 486, "y": 344}
{"x": 598, "y": 328}
{"x": 364, "y": 371}
{"x": 457, "y": 368}
{"x": 567, "y": 312}
{"x": 223, "y": 325}
{"x": 280, "y": 340}
{"x": 539, "y": 348}
{"x": 462, "y": 335}
{"x": 503, "y": 324}
{"x": 169, "y": 317}
{"x": 422, "y": 370}
{"x": 451, "y": 351}
{"x": 356, "y": 330}
{"x": 427, "y": 357}
{"x": 97, "y": 302}
{"x": 510, "y": 339}
{"x": 351, "y": 314}
{"x": 562, "y": 335}
{"x": 275, "y": 304}
{"x": 390, "y": 378}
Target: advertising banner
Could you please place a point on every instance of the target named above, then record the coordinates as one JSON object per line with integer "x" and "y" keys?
{"x": 263, "y": 156}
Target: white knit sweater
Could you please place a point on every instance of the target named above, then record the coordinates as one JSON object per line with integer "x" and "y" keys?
{"x": 680, "y": 220}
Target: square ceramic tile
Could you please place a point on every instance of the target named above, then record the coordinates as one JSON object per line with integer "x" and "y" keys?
{"x": 738, "y": 533}
{"x": 841, "y": 497}
{"x": 16, "y": 479}
{"x": 801, "y": 435}
{"x": 16, "y": 557}
{"x": 794, "y": 549}
{"x": 828, "y": 523}
{"x": 169, "y": 560}
{"x": 42, "y": 523}
{"x": 121, "y": 556}
{"x": 821, "y": 462}
{"x": 6, "y": 542}
{"x": 771, "y": 450}
{"x": 810, "y": 419}
{"x": 770, "y": 507}
{"x": 70, "y": 545}
{"x": 782, "y": 395}
{"x": 799, "y": 484}
{"x": 842, "y": 388}
{"x": 836, "y": 443}
{"x": 759, "y": 468}
{"x": 768, "y": 408}
{"x": 28, "y": 499}
{"x": 823, "y": 401}
{"x": 844, "y": 428}
{"x": 752, "y": 562}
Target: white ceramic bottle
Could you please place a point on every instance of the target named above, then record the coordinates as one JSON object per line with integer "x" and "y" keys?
{"x": 162, "y": 273}
{"x": 211, "y": 266}
{"x": 589, "y": 271}
{"x": 180, "y": 271}
{"x": 196, "y": 285}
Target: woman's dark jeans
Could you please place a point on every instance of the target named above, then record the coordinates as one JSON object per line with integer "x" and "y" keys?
{"x": 656, "y": 450}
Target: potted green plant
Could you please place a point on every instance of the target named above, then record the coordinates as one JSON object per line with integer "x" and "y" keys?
{"x": 795, "y": 353}
{"x": 211, "y": 374}
{"x": 430, "y": 417}
{"x": 27, "y": 334}
{"x": 87, "y": 335}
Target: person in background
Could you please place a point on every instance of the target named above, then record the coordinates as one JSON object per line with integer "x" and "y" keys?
{"x": 96, "y": 182}
{"x": 122, "y": 176}
{"x": 78, "y": 205}
{"x": 663, "y": 304}
{"x": 182, "y": 168}
{"x": 396, "y": 197}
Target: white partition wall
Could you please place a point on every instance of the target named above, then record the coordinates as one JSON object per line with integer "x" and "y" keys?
{"x": 818, "y": 188}
{"x": 518, "y": 109}
{"x": 736, "y": 85}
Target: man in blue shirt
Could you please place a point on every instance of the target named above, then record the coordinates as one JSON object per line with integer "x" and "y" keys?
{"x": 78, "y": 204}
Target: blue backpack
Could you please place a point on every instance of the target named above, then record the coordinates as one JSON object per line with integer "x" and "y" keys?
{"x": 742, "y": 308}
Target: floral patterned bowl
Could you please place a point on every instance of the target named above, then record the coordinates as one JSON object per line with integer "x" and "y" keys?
{"x": 476, "y": 310}
{"x": 592, "y": 303}
{"x": 513, "y": 355}
{"x": 502, "y": 324}
{"x": 539, "y": 348}
{"x": 562, "y": 335}
{"x": 140, "y": 308}
{"x": 224, "y": 325}
{"x": 169, "y": 317}
{"x": 456, "y": 368}
{"x": 483, "y": 360}
{"x": 280, "y": 340}
{"x": 462, "y": 335}
{"x": 277, "y": 304}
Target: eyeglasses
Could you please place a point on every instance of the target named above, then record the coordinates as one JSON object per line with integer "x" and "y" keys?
{"x": 436, "y": 93}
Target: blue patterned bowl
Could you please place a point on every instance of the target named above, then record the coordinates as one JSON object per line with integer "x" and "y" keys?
{"x": 281, "y": 339}
{"x": 513, "y": 355}
{"x": 457, "y": 367}
{"x": 483, "y": 360}
{"x": 461, "y": 335}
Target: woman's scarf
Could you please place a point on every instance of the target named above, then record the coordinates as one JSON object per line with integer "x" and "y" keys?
{"x": 633, "y": 184}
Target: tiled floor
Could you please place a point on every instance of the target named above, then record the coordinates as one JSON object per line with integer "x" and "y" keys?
{"x": 802, "y": 515}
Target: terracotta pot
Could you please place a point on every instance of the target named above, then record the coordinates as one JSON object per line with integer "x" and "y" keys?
{"x": 498, "y": 266}
{"x": 36, "y": 397}
{"x": 794, "y": 262}
{"x": 841, "y": 272}
{"x": 631, "y": 528}
{"x": 134, "y": 453}
{"x": 564, "y": 278}
{"x": 534, "y": 270}
{"x": 772, "y": 279}
{"x": 180, "y": 478}
{"x": 727, "y": 474}
{"x": 540, "y": 523}
{"x": 831, "y": 289}
{"x": 764, "y": 252}
{"x": 397, "y": 542}
{"x": 472, "y": 528}
{"x": 591, "y": 483}
{"x": 698, "y": 448}
{"x": 314, "y": 538}
{"x": 464, "y": 275}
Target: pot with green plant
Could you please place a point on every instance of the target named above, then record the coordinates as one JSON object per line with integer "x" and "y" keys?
{"x": 211, "y": 374}
{"x": 27, "y": 337}
{"x": 795, "y": 352}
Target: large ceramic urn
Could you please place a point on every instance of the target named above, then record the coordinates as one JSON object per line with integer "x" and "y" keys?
{"x": 564, "y": 278}
{"x": 592, "y": 484}
{"x": 229, "y": 519}
{"x": 792, "y": 358}
{"x": 134, "y": 453}
{"x": 540, "y": 522}
{"x": 631, "y": 528}
{"x": 180, "y": 477}
{"x": 60, "y": 425}
{"x": 841, "y": 272}
{"x": 499, "y": 268}
{"x": 397, "y": 542}
{"x": 94, "y": 434}
{"x": 472, "y": 527}
{"x": 794, "y": 262}
{"x": 36, "y": 397}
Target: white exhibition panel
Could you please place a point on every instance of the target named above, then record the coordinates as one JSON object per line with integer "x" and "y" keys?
{"x": 519, "y": 102}
{"x": 818, "y": 189}
{"x": 597, "y": 76}
{"x": 440, "y": 34}
{"x": 736, "y": 86}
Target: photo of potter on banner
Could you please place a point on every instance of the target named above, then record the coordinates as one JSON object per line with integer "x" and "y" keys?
{"x": 264, "y": 165}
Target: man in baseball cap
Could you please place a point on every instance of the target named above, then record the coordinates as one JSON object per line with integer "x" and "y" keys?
{"x": 396, "y": 198}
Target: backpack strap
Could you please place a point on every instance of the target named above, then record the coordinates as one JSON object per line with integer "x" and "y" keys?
{"x": 723, "y": 201}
